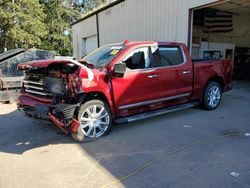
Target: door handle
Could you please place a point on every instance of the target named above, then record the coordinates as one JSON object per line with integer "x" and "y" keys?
{"x": 186, "y": 72}
{"x": 153, "y": 76}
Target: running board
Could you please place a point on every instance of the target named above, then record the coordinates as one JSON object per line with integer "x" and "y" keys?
{"x": 155, "y": 113}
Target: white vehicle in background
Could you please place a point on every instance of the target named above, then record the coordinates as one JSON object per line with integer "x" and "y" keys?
{"x": 64, "y": 57}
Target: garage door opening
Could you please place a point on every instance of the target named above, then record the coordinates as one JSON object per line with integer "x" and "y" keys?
{"x": 89, "y": 44}
{"x": 222, "y": 31}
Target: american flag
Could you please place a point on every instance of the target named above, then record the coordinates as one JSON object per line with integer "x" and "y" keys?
{"x": 217, "y": 21}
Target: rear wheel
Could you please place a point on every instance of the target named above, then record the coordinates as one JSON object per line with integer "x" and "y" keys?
{"x": 212, "y": 96}
{"x": 95, "y": 121}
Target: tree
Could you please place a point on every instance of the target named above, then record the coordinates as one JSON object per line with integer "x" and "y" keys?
{"x": 89, "y": 5}
{"x": 59, "y": 15}
{"x": 21, "y": 24}
{"x": 42, "y": 24}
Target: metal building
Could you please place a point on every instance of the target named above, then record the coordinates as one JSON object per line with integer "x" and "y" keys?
{"x": 135, "y": 20}
{"x": 163, "y": 20}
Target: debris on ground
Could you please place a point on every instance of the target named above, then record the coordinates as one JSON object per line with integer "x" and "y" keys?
{"x": 235, "y": 174}
{"x": 187, "y": 126}
{"x": 247, "y": 134}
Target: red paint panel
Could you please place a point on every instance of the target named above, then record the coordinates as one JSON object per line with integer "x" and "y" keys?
{"x": 24, "y": 100}
{"x": 74, "y": 125}
{"x": 134, "y": 87}
{"x": 40, "y": 64}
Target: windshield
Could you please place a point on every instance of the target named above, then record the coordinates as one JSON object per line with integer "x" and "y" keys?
{"x": 104, "y": 55}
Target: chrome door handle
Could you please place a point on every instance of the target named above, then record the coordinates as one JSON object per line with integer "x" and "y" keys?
{"x": 153, "y": 76}
{"x": 186, "y": 72}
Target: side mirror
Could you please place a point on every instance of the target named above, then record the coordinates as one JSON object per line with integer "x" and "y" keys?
{"x": 120, "y": 68}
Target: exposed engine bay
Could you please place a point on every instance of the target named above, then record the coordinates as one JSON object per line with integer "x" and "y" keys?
{"x": 59, "y": 83}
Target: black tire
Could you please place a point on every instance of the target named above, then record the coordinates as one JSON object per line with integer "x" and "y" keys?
{"x": 80, "y": 135}
{"x": 208, "y": 103}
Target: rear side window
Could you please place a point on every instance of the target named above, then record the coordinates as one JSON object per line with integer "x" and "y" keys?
{"x": 166, "y": 56}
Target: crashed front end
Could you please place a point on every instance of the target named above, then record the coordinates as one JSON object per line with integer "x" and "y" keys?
{"x": 51, "y": 91}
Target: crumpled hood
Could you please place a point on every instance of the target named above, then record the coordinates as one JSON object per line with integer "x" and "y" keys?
{"x": 46, "y": 63}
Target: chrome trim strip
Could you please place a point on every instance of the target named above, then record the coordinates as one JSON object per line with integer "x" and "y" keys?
{"x": 31, "y": 82}
{"x": 37, "y": 92}
{"x": 155, "y": 113}
{"x": 152, "y": 101}
{"x": 160, "y": 112}
{"x": 34, "y": 87}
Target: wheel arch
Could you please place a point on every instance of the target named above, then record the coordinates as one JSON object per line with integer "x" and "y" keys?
{"x": 83, "y": 135}
{"x": 98, "y": 95}
{"x": 204, "y": 102}
{"x": 217, "y": 79}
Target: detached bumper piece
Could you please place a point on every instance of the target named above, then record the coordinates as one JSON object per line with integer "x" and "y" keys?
{"x": 62, "y": 115}
{"x": 39, "y": 111}
{"x": 59, "y": 124}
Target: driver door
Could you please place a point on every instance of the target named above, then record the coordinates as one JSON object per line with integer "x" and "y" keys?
{"x": 138, "y": 87}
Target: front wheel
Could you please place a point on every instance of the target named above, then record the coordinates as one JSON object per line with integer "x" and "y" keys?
{"x": 212, "y": 96}
{"x": 95, "y": 121}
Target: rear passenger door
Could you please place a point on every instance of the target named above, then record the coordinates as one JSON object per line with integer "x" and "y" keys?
{"x": 175, "y": 73}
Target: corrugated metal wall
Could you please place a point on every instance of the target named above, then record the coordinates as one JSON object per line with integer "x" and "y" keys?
{"x": 81, "y": 30}
{"x": 135, "y": 20}
{"x": 143, "y": 20}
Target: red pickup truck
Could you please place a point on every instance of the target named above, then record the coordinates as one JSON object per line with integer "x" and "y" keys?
{"x": 120, "y": 83}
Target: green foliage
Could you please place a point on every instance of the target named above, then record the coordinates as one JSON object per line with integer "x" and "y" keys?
{"x": 21, "y": 23}
{"x": 89, "y": 5}
{"x": 59, "y": 15}
{"x": 41, "y": 23}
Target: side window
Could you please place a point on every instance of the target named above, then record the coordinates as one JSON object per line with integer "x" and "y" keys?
{"x": 138, "y": 59}
{"x": 166, "y": 56}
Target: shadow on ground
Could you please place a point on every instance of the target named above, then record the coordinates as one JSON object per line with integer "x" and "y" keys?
{"x": 19, "y": 133}
{"x": 132, "y": 145}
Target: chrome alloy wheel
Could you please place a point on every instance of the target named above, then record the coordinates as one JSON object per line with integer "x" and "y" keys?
{"x": 214, "y": 96}
{"x": 94, "y": 121}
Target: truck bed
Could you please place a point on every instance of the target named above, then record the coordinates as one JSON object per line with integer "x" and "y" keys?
{"x": 204, "y": 69}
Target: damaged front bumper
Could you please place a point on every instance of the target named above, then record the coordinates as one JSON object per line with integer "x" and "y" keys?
{"x": 62, "y": 115}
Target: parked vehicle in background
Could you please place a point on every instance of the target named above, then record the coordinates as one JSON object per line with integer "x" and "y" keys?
{"x": 64, "y": 57}
{"x": 120, "y": 83}
{"x": 10, "y": 77}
